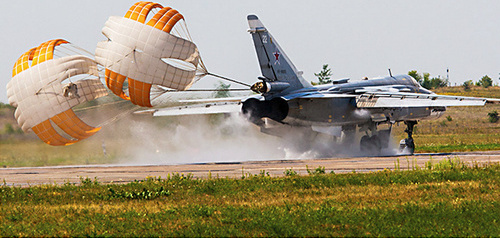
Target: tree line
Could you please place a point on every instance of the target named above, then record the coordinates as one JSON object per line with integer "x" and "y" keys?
{"x": 423, "y": 79}
{"x": 438, "y": 82}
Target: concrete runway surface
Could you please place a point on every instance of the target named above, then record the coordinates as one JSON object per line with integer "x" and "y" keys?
{"x": 128, "y": 173}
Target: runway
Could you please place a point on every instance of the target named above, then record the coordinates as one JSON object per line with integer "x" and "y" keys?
{"x": 128, "y": 173}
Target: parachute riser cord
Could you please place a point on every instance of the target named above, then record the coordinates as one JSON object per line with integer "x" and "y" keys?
{"x": 99, "y": 106}
{"x": 208, "y": 90}
{"x": 119, "y": 116}
{"x": 57, "y": 78}
{"x": 227, "y": 79}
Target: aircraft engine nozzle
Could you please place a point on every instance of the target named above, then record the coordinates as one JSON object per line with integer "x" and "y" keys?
{"x": 266, "y": 87}
{"x": 275, "y": 109}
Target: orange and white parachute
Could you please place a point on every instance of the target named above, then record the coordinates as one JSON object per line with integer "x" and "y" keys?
{"x": 43, "y": 100}
{"x": 147, "y": 53}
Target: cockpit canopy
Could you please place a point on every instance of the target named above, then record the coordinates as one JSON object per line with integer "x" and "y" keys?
{"x": 413, "y": 81}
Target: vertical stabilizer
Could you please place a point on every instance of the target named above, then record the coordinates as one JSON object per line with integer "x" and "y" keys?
{"x": 274, "y": 63}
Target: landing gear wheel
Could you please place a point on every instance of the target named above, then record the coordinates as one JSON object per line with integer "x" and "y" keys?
{"x": 376, "y": 143}
{"x": 407, "y": 145}
{"x": 364, "y": 144}
{"x": 370, "y": 144}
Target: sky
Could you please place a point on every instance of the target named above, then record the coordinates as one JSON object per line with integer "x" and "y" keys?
{"x": 357, "y": 38}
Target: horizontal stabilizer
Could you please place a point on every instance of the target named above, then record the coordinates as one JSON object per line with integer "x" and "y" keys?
{"x": 197, "y": 109}
{"x": 208, "y": 100}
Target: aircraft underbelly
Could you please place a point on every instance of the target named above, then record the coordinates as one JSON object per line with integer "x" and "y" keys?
{"x": 343, "y": 111}
{"x": 324, "y": 112}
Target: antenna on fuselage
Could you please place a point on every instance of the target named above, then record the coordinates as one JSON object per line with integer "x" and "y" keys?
{"x": 390, "y": 73}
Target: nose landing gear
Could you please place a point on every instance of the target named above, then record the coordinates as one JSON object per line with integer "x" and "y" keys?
{"x": 407, "y": 145}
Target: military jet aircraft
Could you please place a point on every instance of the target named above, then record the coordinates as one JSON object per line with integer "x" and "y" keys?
{"x": 286, "y": 103}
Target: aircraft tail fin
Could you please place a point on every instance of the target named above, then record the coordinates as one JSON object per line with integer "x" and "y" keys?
{"x": 274, "y": 63}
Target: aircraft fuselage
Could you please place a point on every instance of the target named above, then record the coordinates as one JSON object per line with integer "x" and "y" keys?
{"x": 328, "y": 105}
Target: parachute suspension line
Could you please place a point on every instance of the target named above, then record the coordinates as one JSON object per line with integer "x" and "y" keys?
{"x": 73, "y": 50}
{"x": 84, "y": 50}
{"x": 118, "y": 61}
{"x": 98, "y": 106}
{"x": 185, "y": 29}
{"x": 61, "y": 54}
{"x": 228, "y": 79}
{"x": 135, "y": 60}
{"x": 202, "y": 65}
{"x": 69, "y": 78}
{"x": 119, "y": 116}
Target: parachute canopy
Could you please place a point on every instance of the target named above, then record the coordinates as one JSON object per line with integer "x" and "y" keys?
{"x": 147, "y": 53}
{"x": 43, "y": 100}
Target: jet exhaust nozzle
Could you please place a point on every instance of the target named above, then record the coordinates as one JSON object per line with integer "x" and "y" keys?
{"x": 275, "y": 109}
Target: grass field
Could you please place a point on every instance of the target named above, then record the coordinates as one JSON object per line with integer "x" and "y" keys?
{"x": 460, "y": 128}
{"x": 445, "y": 199}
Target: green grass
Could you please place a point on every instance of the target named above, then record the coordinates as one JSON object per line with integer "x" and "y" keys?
{"x": 27, "y": 153}
{"x": 460, "y": 128}
{"x": 445, "y": 199}
{"x": 458, "y": 147}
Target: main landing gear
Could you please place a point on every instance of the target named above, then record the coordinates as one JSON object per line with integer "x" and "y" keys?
{"x": 370, "y": 143}
{"x": 407, "y": 145}
{"x": 377, "y": 141}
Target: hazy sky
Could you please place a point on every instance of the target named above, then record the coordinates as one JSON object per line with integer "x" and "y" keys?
{"x": 356, "y": 38}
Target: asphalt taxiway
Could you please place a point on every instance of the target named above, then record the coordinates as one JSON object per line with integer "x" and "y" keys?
{"x": 128, "y": 173}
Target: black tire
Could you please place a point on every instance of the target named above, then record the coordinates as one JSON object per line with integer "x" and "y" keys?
{"x": 410, "y": 145}
{"x": 364, "y": 143}
{"x": 376, "y": 143}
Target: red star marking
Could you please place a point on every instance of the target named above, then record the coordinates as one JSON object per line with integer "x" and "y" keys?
{"x": 277, "y": 55}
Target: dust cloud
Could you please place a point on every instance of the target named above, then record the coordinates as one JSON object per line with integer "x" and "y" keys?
{"x": 146, "y": 140}
{"x": 194, "y": 139}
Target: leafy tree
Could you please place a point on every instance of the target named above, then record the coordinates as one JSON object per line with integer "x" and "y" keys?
{"x": 467, "y": 84}
{"x": 323, "y": 76}
{"x": 222, "y": 90}
{"x": 416, "y": 76}
{"x": 426, "y": 82}
{"x": 485, "y": 81}
{"x": 438, "y": 82}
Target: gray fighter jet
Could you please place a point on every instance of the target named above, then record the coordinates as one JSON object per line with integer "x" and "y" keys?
{"x": 286, "y": 103}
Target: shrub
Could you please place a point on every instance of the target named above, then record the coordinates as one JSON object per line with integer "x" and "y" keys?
{"x": 467, "y": 84}
{"x": 493, "y": 117}
{"x": 290, "y": 172}
{"x": 485, "y": 81}
{"x": 319, "y": 170}
{"x": 9, "y": 129}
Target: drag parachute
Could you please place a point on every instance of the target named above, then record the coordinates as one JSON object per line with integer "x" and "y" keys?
{"x": 44, "y": 100}
{"x": 147, "y": 53}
